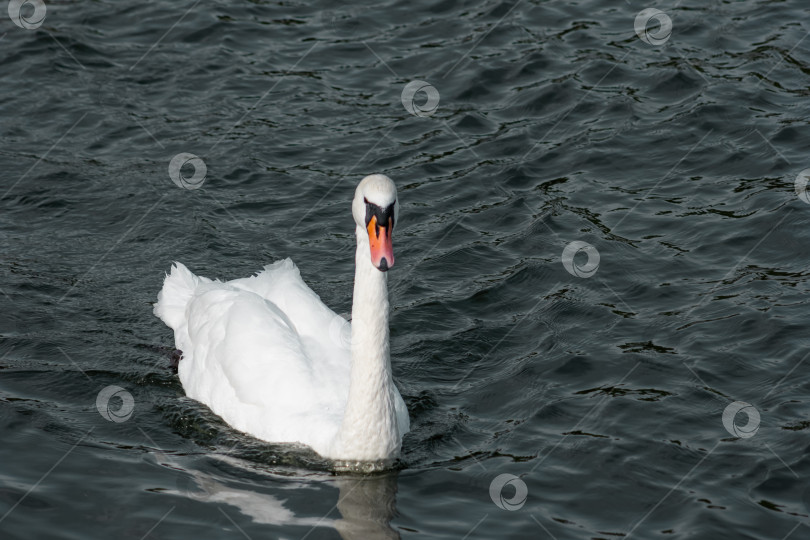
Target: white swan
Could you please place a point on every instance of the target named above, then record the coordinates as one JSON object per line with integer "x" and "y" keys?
{"x": 259, "y": 351}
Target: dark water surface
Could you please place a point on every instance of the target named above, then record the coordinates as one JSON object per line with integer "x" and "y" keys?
{"x": 603, "y": 394}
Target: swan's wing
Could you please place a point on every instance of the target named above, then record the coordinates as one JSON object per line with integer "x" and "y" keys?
{"x": 275, "y": 388}
{"x": 281, "y": 284}
{"x": 251, "y": 364}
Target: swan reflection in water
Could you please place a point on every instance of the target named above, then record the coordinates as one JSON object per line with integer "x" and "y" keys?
{"x": 366, "y": 504}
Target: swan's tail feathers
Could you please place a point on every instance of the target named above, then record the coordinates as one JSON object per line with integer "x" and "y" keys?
{"x": 178, "y": 288}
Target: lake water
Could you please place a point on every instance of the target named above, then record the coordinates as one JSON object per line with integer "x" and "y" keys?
{"x": 599, "y": 307}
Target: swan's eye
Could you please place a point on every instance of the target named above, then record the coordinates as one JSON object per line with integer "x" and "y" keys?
{"x": 384, "y": 216}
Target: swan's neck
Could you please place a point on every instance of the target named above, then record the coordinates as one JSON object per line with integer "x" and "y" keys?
{"x": 369, "y": 430}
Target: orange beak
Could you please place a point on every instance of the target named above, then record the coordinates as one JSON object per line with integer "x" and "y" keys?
{"x": 379, "y": 238}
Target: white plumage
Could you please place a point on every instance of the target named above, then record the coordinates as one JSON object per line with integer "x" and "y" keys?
{"x": 273, "y": 361}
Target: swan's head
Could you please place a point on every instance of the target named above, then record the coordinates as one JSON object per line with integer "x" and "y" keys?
{"x": 375, "y": 210}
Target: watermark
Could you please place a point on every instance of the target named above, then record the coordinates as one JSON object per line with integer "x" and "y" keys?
{"x": 409, "y": 98}
{"x": 659, "y": 36}
{"x": 340, "y": 331}
{"x": 34, "y": 14}
{"x": 591, "y": 265}
{"x": 748, "y": 430}
{"x": 517, "y": 501}
{"x": 801, "y": 185}
{"x": 195, "y": 181}
{"x": 122, "y": 413}
{"x": 331, "y": 19}
{"x": 346, "y": 332}
{"x": 196, "y": 487}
